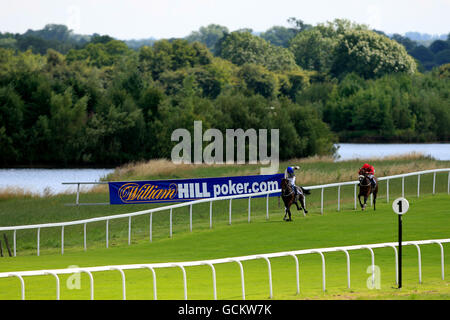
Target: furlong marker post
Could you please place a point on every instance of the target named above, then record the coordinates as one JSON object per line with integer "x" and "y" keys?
{"x": 400, "y": 207}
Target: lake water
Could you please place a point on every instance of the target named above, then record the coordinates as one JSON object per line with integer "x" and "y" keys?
{"x": 347, "y": 151}
{"x": 50, "y": 180}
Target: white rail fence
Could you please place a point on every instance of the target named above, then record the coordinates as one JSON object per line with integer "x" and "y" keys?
{"x": 121, "y": 268}
{"x": 170, "y": 208}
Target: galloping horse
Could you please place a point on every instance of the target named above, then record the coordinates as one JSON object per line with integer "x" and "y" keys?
{"x": 365, "y": 189}
{"x": 288, "y": 196}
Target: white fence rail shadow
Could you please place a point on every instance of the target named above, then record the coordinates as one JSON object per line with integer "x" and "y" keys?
{"x": 121, "y": 268}
{"x": 170, "y": 208}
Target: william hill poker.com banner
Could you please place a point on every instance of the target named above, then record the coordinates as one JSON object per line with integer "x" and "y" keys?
{"x": 191, "y": 189}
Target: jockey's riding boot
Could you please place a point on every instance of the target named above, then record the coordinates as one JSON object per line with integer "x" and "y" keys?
{"x": 374, "y": 183}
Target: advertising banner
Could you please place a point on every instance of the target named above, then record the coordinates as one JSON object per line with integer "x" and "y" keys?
{"x": 180, "y": 190}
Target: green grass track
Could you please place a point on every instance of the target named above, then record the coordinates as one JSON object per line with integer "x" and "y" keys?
{"x": 428, "y": 218}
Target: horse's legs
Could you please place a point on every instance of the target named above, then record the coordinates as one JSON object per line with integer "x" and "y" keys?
{"x": 374, "y": 200}
{"x": 288, "y": 211}
{"x": 302, "y": 202}
{"x": 360, "y": 203}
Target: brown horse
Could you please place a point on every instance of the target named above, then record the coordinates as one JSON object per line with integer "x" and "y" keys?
{"x": 365, "y": 189}
{"x": 288, "y": 196}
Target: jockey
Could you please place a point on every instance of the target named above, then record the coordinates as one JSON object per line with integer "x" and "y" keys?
{"x": 370, "y": 170}
{"x": 290, "y": 176}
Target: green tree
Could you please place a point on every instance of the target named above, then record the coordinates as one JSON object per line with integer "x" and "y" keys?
{"x": 259, "y": 80}
{"x": 11, "y": 126}
{"x": 66, "y": 123}
{"x": 313, "y": 50}
{"x": 279, "y": 36}
{"x": 208, "y": 35}
{"x": 370, "y": 55}
{"x": 405, "y": 41}
{"x": 442, "y": 57}
{"x": 439, "y": 45}
{"x": 243, "y": 47}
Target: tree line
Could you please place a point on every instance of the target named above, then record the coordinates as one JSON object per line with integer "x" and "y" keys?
{"x": 101, "y": 102}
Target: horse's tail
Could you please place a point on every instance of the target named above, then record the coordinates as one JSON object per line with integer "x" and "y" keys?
{"x": 305, "y": 191}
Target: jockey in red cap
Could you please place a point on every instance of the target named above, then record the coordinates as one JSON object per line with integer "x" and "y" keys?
{"x": 370, "y": 170}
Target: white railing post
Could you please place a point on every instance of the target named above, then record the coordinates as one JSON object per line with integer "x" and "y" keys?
{"x": 339, "y": 198}
{"x": 403, "y": 186}
{"x": 155, "y": 291}
{"x": 210, "y": 214}
{"x": 22, "y": 284}
{"x": 229, "y": 219}
{"x": 373, "y": 265}
{"x": 267, "y": 207}
{"x": 129, "y": 230}
{"x": 419, "y": 262}
{"x": 396, "y": 262}
{"x": 124, "y": 289}
{"x": 321, "y": 201}
{"x": 323, "y": 270}
{"x": 190, "y": 218}
{"x": 448, "y": 183}
{"x": 249, "y": 208}
{"x": 107, "y": 233}
{"x": 151, "y": 226}
{"x": 62, "y": 240}
{"x": 355, "y": 195}
{"x": 57, "y": 284}
{"x": 387, "y": 190}
{"x": 213, "y": 279}
{"x": 84, "y": 237}
{"x": 442, "y": 258}
{"x": 38, "y": 240}
{"x": 348, "y": 267}
{"x": 418, "y": 185}
{"x": 77, "y": 202}
{"x": 184, "y": 279}
{"x": 434, "y": 182}
{"x": 14, "y": 242}
{"x": 270, "y": 276}
{"x": 170, "y": 223}
{"x": 91, "y": 281}
{"x": 297, "y": 271}
{"x": 242, "y": 276}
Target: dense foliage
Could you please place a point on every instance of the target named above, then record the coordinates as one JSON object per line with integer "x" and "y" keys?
{"x": 96, "y": 101}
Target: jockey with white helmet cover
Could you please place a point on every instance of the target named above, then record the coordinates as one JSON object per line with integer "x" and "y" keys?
{"x": 290, "y": 176}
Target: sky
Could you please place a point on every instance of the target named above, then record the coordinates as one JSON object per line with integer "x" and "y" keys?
{"x": 138, "y": 19}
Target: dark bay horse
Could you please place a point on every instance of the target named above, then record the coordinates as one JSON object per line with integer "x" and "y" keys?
{"x": 288, "y": 196}
{"x": 365, "y": 189}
